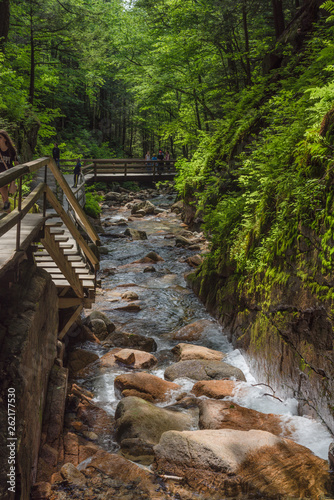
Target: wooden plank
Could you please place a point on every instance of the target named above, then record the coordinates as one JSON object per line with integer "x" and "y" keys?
{"x": 74, "y": 231}
{"x": 63, "y": 264}
{"x": 59, "y": 282}
{"x": 65, "y": 303}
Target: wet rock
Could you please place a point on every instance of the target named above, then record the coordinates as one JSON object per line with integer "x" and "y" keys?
{"x": 109, "y": 360}
{"x": 113, "y": 196}
{"x": 73, "y": 476}
{"x": 99, "y": 328}
{"x": 191, "y": 351}
{"x": 136, "y": 359}
{"x": 133, "y": 340}
{"x": 203, "y": 370}
{"x": 146, "y": 207}
{"x": 331, "y": 456}
{"x": 193, "y": 331}
{"x": 79, "y": 359}
{"x": 101, "y": 316}
{"x": 145, "y": 385}
{"x": 194, "y": 260}
{"x": 131, "y": 307}
{"x": 230, "y": 462}
{"x": 136, "y": 418}
{"x": 177, "y": 207}
{"x": 137, "y": 450}
{"x": 90, "y": 435}
{"x": 129, "y": 296}
{"x": 41, "y": 491}
{"x": 135, "y": 234}
{"x": 215, "y": 389}
{"x": 181, "y": 241}
{"x": 95, "y": 418}
{"x": 229, "y": 415}
{"x": 149, "y": 269}
{"x": 151, "y": 257}
{"x": 127, "y": 474}
{"x": 103, "y": 250}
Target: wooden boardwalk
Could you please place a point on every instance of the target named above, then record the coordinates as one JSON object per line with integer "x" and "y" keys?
{"x": 50, "y": 239}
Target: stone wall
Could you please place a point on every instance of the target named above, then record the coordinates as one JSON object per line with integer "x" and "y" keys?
{"x": 28, "y": 339}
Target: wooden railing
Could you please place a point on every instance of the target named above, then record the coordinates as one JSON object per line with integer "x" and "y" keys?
{"x": 121, "y": 166}
{"x": 43, "y": 191}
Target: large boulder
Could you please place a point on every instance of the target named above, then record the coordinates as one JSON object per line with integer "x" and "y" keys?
{"x": 215, "y": 389}
{"x": 227, "y": 463}
{"x": 145, "y": 386}
{"x": 136, "y": 359}
{"x": 145, "y": 207}
{"x": 191, "y": 351}
{"x": 135, "y": 234}
{"x": 199, "y": 369}
{"x": 229, "y": 415}
{"x": 151, "y": 257}
{"x": 100, "y": 324}
{"x": 79, "y": 359}
{"x": 132, "y": 340}
{"x": 193, "y": 331}
{"x": 144, "y": 422}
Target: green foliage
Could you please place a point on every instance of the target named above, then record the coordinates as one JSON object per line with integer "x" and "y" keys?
{"x": 92, "y": 207}
{"x": 264, "y": 179}
{"x": 131, "y": 186}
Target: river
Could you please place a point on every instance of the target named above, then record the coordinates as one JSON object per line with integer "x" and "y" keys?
{"x": 167, "y": 304}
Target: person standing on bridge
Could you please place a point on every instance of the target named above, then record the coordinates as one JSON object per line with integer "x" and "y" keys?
{"x": 56, "y": 154}
{"x": 8, "y": 158}
{"x": 161, "y": 161}
{"x": 77, "y": 172}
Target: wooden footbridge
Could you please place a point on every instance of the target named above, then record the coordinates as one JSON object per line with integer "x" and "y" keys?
{"x": 125, "y": 169}
{"x": 56, "y": 236}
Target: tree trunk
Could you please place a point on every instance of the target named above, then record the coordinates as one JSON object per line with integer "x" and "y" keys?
{"x": 248, "y": 68}
{"x": 278, "y": 17}
{"x": 4, "y": 21}
{"x": 32, "y": 61}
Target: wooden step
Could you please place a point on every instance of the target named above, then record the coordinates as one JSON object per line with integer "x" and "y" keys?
{"x": 51, "y": 264}
{"x": 60, "y": 283}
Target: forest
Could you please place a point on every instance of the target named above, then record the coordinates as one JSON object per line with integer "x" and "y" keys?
{"x": 239, "y": 91}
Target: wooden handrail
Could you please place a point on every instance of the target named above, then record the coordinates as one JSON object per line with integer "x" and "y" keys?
{"x": 72, "y": 228}
{"x": 13, "y": 218}
{"x": 82, "y": 218}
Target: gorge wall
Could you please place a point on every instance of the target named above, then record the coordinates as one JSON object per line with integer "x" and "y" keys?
{"x": 286, "y": 337}
{"x": 28, "y": 337}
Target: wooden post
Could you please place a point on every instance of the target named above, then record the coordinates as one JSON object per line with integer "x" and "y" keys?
{"x": 19, "y": 208}
{"x": 95, "y": 171}
{"x": 125, "y": 169}
{"x": 44, "y": 196}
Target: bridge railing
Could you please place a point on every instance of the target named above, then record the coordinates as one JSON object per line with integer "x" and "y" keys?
{"x": 43, "y": 191}
{"x": 120, "y": 166}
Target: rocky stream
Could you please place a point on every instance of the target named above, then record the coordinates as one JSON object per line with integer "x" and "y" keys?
{"x": 160, "y": 405}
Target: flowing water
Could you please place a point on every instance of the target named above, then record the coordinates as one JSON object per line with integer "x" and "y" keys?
{"x": 166, "y": 305}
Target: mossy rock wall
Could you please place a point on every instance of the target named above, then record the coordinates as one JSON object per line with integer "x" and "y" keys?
{"x": 287, "y": 340}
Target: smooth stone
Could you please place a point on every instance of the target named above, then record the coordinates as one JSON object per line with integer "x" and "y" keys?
{"x": 191, "y": 351}
{"x": 136, "y": 359}
{"x": 216, "y": 389}
{"x": 199, "y": 369}
{"x": 141, "y": 383}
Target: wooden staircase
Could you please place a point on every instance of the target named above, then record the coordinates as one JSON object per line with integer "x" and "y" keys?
{"x": 58, "y": 245}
